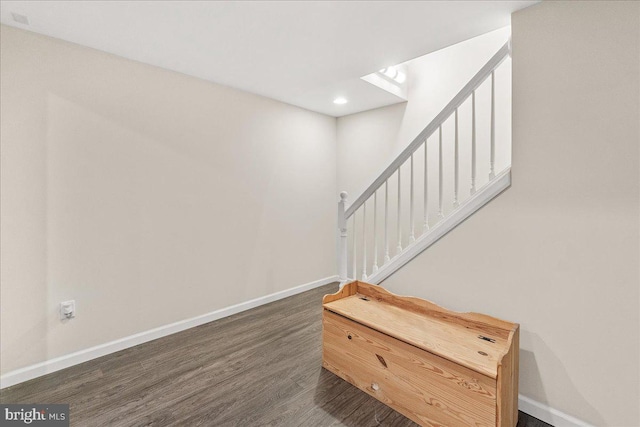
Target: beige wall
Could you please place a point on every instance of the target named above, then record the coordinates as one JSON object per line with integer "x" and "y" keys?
{"x": 558, "y": 252}
{"x": 147, "y": 196}
{"x": 368, "y": 141}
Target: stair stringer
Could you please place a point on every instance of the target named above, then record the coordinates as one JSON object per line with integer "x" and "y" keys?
{"x": 480, "y": 198}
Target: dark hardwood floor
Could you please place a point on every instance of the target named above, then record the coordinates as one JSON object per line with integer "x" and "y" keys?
{"x": 256, "y": 368}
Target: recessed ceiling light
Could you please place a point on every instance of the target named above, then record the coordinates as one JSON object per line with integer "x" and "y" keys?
{"x": 340, "y": 100}
{"x": 20, "y": 19}
{"x": 390, "y": 72}
{"x": 394, "y": 74}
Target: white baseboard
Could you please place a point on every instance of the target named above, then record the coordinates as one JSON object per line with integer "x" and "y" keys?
{"x": 548, "y": 414}
{"x": 62, "y": 362}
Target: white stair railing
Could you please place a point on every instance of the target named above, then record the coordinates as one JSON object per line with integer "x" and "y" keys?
{"x": 461, "y": 207}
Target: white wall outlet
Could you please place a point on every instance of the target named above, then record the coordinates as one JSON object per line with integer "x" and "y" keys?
{"x": 67, "y": 310}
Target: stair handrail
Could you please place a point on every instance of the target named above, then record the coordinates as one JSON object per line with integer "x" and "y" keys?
{"x": 449, "y": 109}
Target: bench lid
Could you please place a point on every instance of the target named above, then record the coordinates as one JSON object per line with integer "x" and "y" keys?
{"x": 473, "y": 340}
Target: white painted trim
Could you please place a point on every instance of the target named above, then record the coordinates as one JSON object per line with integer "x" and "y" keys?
{"x": 548, "y": 414}
{"x": 435, "y": 124}
{"x": 62, "y": 362}
{"x": 451, "y": 221}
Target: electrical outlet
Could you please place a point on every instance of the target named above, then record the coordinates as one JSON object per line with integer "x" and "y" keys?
{"x": 67, "y": 310}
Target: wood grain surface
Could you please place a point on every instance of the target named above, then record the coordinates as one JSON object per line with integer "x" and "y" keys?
{"x": 508, "y": 371}
{"x": 478, "y": 321}
{"x": 426, "y": 388}
{"x": 261, "y": 367}
{"x": 444, "y": 336}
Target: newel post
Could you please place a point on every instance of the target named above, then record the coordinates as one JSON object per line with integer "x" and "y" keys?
{"x": 342, "y": 248}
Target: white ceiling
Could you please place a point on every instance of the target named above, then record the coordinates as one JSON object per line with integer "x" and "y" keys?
{"x": 302, "y": 53}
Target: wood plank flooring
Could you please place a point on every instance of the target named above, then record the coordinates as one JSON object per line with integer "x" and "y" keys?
{"x": 261, "y": 367}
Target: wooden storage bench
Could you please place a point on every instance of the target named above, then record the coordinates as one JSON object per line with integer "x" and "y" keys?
{"x": 435, "y": 366}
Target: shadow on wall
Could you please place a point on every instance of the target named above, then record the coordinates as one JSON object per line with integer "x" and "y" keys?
{"x": 532, "y": 384}
{"x": 27, "y": 345}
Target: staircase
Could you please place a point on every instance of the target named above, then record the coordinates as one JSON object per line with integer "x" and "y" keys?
{"x": 373, "y": 232}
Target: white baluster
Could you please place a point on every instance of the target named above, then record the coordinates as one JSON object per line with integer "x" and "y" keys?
{"x": 374, "y": 269}
{"x": 412, "y": 235}
{"x": 440, "y": 174}
{"x": 492, "y": 165}
{"x": 387, "y": 258}
{"x": 364, "y": 241}
{"x": 355, "y": 244}
{"x": 342, "y": 227}
{"x": 399, "y": 248}
{"x": 473, "y": 142}
{"x": 456, "y": 166}
{"x": 426, "y": 188}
